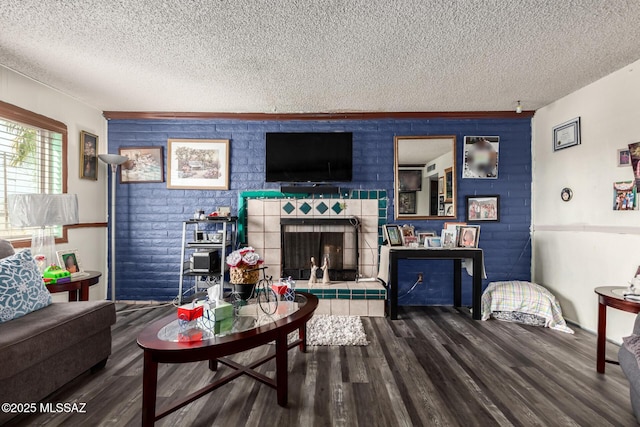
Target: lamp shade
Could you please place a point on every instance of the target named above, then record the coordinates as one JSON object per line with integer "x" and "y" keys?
{"x": 113, "y": 159}
{"x": 42, "y": 210}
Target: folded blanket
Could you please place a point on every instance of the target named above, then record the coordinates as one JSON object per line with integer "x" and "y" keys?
{"x": 523, "y": 297}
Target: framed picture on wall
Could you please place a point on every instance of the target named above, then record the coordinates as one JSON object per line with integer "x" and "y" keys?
{"x": 481, "y": 157}
{"x": 88, "y": 156}
{"x": 483, "y": 208}
{"x": 566, "y": 134}
{"x": 145, "y": 164}
{"x": 624, "y": 157}
{"x": 198, "y": 164}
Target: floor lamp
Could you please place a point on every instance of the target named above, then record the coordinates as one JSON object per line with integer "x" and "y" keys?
{"x": 114, "y": 160}
{"x": 43, "y": 211}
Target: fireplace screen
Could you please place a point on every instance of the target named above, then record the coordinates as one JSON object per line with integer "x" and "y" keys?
{"x": 299, "y": 247}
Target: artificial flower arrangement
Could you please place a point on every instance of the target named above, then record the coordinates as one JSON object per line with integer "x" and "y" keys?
{"x": 242, "y": 260}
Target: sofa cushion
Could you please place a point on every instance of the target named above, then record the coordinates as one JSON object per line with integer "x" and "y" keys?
{"x": 22, "y": 289}
{"x": 41, "y": 334}
{"x": 6, "y": 248}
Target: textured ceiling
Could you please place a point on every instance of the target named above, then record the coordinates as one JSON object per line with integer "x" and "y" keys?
{"x": 317, "y": 56}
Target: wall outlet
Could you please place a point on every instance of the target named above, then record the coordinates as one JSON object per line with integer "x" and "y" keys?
{"x": 420, "y": 277}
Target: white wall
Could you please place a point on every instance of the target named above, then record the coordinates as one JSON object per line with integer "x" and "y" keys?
{"x": 91, "y": 242}
{"x": 582, "y": 244}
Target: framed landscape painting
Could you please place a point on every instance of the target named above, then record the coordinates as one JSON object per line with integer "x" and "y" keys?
{"x": 201, "y": 164}
{"x": 145, "y": 164}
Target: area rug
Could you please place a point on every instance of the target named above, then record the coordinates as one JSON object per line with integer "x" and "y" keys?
{"x": 323, "y": 329}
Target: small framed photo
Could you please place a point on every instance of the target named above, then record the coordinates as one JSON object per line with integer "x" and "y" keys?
{"x": 624, "y": 157}
{"x": 441, "y": 185}
{"x": 567, "y": 134}
{"x": 70, "y": 261}
{"x": 407, "y": 202}
{"x": 393, "y": 234}
{"x": 423, "y": 235}
{"x": 145, "y": 164}
{"x": 433, "y": 242}
{"x": 410, "y": 180}
{"x": 483, "y": 208}
{"x": 88, "y": 156}
{"x": 448, "y": 237}
{"x": 468, "y": 236}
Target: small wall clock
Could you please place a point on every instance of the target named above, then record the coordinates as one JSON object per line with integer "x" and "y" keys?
{"x": 566, "y": 194}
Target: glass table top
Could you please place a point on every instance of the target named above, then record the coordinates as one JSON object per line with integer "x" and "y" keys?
{"x": 242, "y": 318}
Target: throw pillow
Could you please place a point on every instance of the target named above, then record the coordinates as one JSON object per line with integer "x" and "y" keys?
{"x": 632, "y": 343}
{"x": 22, "y": 289}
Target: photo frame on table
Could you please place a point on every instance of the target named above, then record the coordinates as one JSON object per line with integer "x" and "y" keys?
{"x": 407, "y": 202}
{"x": 433, "y": 242}
{"x": 145, "y": 164}
{"x": 88, "y": 156}
{"x": 624, "y": 157}
{"x": 566, "y": 134}
{"x": 393, "y": 234}
{"x": 410, "y": 179}
{"x": 468, "y": 236}
{"x": 198, "y": 164}
{"x": 483, "y": 208}
{"x": 70, "y": 260}
{"x": 423, "y": 235}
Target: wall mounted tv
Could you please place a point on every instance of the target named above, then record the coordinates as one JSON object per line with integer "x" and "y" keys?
{"x": 309, "y": 157}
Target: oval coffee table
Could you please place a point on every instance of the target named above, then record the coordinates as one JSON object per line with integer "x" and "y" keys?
{"x": 170, "y": 341}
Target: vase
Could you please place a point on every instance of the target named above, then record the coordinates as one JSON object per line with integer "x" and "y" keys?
{"x": 244, "y": 290}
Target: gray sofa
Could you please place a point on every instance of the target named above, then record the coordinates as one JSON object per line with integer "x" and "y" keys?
{"x": 45, "y": 349}
{"x": 629, "y": 365}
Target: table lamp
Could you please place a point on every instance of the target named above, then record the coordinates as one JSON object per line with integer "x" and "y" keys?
{"x": 114, "y": 160}
{"x": 44, "y": 211}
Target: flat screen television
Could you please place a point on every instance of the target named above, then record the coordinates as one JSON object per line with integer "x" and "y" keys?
{"x": 309, "y": 157}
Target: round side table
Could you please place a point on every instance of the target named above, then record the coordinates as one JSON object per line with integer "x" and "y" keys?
{"x": 610, "y": 296}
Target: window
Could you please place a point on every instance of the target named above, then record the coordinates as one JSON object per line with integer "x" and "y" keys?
{"x": 33, "y": 159}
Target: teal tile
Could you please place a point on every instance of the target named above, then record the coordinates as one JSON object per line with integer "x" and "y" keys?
{"x": 344, "y": 292}
{"x": 344, "y": 297}
{"x": 305, "y": 208}
{"x": 330, "y": 293}
{"x": 322, "y": 207}
{"x": 373, "y": 195}
{"x": 358, "y": 297}
{"x": 382, "y": 204}
{"x": 288, "y": 208}
{"x": 337, "y": 207}
{"x": 382, "y": 194}
{"x": 358, "y": 291}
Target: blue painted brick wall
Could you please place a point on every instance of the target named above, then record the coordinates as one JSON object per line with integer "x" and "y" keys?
{"x": 149, "y": 216}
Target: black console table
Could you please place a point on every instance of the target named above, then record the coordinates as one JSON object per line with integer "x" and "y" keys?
{"x": 455, "y": 254}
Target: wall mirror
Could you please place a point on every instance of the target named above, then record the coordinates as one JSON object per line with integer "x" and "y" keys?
{"x": 425, "y": 171}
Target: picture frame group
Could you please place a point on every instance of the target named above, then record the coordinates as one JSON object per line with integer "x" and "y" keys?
{"x": 453, "y": 235}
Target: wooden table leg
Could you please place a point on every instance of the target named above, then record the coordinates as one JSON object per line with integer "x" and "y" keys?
{"x": 149, "y": 388}
{"x": 282, "y": 387}
{"x": 392, "y": 286}
{"x": 302, "y": 334}
{"x": 477, "y": 287}
{"x": 84, "y": 291}
{"x": 602, "y": 337}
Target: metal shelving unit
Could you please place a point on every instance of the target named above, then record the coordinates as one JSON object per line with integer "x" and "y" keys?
{"x": 228, "y": 227}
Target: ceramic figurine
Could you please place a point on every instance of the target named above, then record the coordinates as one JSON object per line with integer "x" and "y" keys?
{"x": 325, "y": 271}
{"x": 314, "y": 269}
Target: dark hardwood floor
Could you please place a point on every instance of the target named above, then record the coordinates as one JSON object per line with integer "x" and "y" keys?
{"x": 433, "y": 367}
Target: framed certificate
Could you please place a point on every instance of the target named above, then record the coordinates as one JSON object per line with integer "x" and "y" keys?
{"x": 567, "y": 134}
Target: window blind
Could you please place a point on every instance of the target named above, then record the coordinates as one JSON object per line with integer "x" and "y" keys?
{"x": 32, "y": 160}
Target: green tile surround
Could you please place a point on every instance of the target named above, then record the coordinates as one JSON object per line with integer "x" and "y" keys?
{"x": 344, "y": 293}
